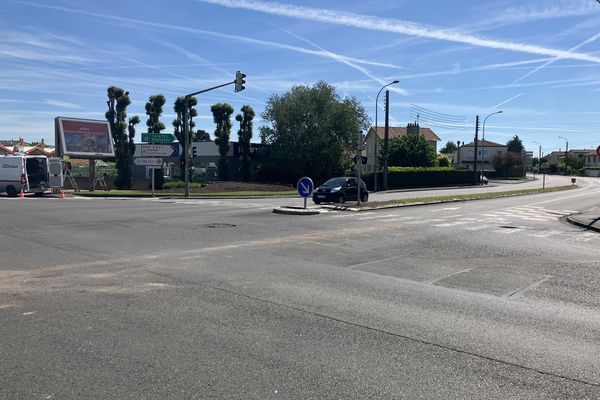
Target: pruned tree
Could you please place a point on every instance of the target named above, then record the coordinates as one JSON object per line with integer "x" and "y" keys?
{"x": 221, "y": 116}
{"x": 310, "y": 131}
{"x": 154, "y": 109}
{"x": 178, "y": 128}
{"x": 201, "y": 136}
{"x": 244, "y": 137}
{"x": 123, "y": 134}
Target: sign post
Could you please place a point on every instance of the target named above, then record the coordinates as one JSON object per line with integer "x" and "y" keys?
{"x": 305, "y": 188}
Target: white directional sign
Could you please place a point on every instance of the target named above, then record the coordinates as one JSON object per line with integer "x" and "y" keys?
{"x": 160, "y": 150}
{"x": 155, "y": 162}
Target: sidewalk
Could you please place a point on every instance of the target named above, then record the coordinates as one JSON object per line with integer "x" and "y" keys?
{"x": 589, "y": 219}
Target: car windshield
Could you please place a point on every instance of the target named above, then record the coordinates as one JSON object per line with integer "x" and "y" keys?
{"x": 335, "y": 182}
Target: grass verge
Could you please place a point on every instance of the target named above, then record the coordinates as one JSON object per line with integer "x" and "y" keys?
{"x": 461, "y": 197}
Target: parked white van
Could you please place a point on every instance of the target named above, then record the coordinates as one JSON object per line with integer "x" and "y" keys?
{"x": 29, "y": 173}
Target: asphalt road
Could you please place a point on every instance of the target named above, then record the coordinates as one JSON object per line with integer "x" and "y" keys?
{"x": 203, "y": 299}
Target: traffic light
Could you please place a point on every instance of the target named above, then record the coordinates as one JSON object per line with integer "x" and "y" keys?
{"x": 239, "y": 81}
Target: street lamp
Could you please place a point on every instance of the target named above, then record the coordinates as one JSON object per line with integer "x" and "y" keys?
{"x": 566, "y": 152}
{"x": 483, "y": 139}
{"x": 539, "y": 155}
{"x": 376, "y": 135}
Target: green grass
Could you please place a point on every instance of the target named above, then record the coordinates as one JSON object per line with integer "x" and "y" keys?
{"x": 459, "y": 197}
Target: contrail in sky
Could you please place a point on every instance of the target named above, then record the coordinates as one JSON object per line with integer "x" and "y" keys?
{"x": 506, "y": 101}
{"x": 395, "y": 26}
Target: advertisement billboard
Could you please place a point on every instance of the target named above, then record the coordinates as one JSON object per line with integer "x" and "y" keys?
{"x": 84, "y": 138}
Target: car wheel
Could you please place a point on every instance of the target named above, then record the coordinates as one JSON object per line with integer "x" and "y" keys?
{"x": 11, "y": 191}
{"x": 341, "y": 199}
{"x": 38, "y": 194}
{"x": 364, "y": 197}
{"x": 317, "y": 202}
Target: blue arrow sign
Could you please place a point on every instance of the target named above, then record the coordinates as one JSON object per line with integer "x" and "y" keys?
{"x": 305, "y": 187}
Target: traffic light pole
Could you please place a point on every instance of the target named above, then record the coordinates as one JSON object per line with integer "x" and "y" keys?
{"x": 186, "y": 134}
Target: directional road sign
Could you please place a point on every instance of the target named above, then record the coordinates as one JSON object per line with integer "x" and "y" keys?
{"x": 305, "y": 187}
{"x": 160, "y": 150}
{"x": 157, "y": 137}
{"x": 149, "y": 161}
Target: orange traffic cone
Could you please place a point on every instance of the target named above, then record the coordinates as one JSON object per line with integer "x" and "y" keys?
{"x": 21, "y": 195}
{"x": 62, "y": 194}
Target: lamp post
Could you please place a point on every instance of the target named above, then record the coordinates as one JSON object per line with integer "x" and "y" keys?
{"x": 376, "y": 135}
{"x": 566, "y": 153}
{"x": 483, "y": 140}
{"x": 539, "y": 155}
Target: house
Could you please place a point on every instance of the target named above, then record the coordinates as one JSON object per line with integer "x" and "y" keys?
{"x": 17, "y": 146}
{"x": 592, "y": 159}
{"x": 393, "y": 132}
{"x": 486, "y": 150}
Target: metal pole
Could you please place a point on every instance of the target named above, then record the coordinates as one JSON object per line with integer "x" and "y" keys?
{"x": 475, "y": 149}
{"x": 186, "y": 149}
{"x": 386, "y": 136}
{"x": 566, "y": 153}
{"x": 152, "y": 170}
{"x": 377, "y": 135}
{"x": 358, "y": 165}
{"x": 483, "y": 140}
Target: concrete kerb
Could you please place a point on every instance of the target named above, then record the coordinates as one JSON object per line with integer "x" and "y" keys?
{"x": 291, "y": 210}
{"x": 588, "y": 220}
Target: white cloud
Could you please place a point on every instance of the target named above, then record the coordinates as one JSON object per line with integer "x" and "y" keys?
{"x": 63, "y": 104}
{"x": 394, "y": 26}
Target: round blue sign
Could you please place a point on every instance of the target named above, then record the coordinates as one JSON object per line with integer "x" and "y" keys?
{"x": 305, "y": 187}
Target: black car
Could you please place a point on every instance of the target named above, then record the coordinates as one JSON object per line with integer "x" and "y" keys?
{"x": 339, "y": 190}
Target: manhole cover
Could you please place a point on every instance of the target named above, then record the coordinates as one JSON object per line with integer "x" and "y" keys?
{"x": 220, "y": 225}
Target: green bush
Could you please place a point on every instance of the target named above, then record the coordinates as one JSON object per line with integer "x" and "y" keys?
{"x": 181, "y": 185}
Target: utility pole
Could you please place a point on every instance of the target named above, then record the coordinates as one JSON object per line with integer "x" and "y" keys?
{"x": 475, "y": 150}
{"x": 386, "y": 137}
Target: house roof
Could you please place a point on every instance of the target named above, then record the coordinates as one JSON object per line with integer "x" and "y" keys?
{"x": 397, "y": 131}
{"x": 483, "y": 143}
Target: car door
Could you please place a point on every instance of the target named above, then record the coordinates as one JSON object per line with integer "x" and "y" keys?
{"x": 351, "y": 189}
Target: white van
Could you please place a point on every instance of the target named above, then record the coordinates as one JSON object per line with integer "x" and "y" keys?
{"x": 29, "y": 173}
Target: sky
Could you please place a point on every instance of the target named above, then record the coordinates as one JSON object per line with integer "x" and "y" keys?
{"x": 538, "y": 62}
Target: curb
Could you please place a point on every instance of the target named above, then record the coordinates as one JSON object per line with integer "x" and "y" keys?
{"x": 295, "y": 211}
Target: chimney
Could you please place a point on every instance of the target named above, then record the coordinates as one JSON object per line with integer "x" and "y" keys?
{"x": 412, "y": 129}
{"x": 43, "y": 143}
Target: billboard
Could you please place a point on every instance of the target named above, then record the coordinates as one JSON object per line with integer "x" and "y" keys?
{"x": 84, "y": 138}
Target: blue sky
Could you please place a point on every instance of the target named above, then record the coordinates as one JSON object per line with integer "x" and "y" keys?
{"x": 538, "y": 62}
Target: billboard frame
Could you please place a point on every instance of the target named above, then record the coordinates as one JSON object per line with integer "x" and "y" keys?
{"x": 61, "y": 147}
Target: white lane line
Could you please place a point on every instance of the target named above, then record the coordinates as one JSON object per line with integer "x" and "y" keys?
{"x": 446, "y": 209}
{"x": 28, "y": 313}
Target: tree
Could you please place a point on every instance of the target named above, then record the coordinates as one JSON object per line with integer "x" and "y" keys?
{"x": 221, "y": 116}
{"x": 201, "y": 136}
{"x": 449, "y": 147}
{"x": 244, "y": 136}
{"x": 504, "y": 163}
{"x": 515, "y": 145}
{"x": 154, "y": 109}
{"x": 178, "y": 127}
{"x": 309, "y": 131}
{"x": 122, "y": 133}
{"x": 410, "y": 150}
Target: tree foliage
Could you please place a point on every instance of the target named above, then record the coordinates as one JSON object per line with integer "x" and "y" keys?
{"x": 221, "y": 116}
{"x": 123, "y": 134}
{"x": 179, "y": 127}
{"x": 411, "y": 150}
{"x": 449, "y": 147}
{"x": 201, "y": 136}
{"x": 506, "y": 162}
{"x": 442, "y": 161}
{"x": 515, "y": 145}
{"x": 154, "y": 109}
{"x": 309, "y": 131}
{"x": 244, "y": 137}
